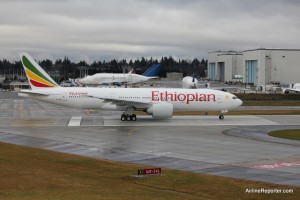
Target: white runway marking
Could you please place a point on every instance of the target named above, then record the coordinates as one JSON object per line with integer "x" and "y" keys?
{"x": 189, "y": 143}
{"x": 75, "y": 121}
{"x": 277, "y": 165}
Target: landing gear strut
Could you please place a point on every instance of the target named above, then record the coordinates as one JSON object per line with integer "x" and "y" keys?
{"x": 221, "y": 116}
{"x": 127, "y": 117}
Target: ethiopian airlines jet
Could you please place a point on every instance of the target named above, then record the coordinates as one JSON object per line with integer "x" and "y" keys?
{"x": 158, "y": 102}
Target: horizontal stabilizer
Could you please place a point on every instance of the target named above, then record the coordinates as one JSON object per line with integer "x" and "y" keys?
{"x": 38, "y": 92}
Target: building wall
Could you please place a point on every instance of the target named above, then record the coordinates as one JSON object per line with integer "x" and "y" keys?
{"x": 227, "y": 64}
{"x": 212, "y": 60}
{"x": 237, "y": 68}
{"x": 274, "y": 65}
{"x": 259, "y": 56}
{"x": 174, "y": 76}
{"x": 285, "y": 66}
{"x": 267, "y": 65}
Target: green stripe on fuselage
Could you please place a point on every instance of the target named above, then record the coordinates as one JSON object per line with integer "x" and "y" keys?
{"x": 32, "y": 68}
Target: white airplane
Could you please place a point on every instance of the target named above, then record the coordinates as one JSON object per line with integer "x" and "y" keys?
{"x": 189, "y": 82}
{"x": 293, "y": 88}
{"x": 109, "y": 78}
{"x": 158, "y": 102}
{"x": 192, "y": 83}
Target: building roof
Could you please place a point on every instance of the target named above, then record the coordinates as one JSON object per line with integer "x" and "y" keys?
{"x": 272, "y": 49}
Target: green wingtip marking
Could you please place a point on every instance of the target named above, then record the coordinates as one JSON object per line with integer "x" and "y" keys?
{"x": 32, "y": 68}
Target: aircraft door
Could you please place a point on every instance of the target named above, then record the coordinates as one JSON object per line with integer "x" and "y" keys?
{"x": 219, "y": 98}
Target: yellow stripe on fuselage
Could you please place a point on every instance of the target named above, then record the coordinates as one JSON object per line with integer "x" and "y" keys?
{"x": 37, "y": 78}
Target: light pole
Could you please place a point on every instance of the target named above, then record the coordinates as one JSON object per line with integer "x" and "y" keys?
{"x": 275, "y": 69}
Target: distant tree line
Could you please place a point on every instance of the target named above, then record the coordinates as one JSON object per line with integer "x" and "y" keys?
{"x": 63, "y": 69}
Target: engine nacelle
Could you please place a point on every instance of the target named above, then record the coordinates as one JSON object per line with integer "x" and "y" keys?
{"x": 161, "y": 110}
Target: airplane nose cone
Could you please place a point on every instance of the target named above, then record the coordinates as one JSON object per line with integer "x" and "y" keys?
{"x": 240, "y": 102}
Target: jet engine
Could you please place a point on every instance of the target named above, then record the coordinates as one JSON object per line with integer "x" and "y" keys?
{"x": 161, "y": 110}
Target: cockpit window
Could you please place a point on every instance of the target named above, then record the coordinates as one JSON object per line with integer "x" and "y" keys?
{"x": 234, "y": 97}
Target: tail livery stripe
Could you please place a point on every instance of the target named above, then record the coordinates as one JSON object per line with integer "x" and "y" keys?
{"x": 36, "y": 74}
{"x": 38, "y": 79}
{"x": 38, "y": 84}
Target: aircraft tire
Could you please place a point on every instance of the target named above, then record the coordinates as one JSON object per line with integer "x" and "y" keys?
{"x": 123, "y": 117}
{"x": 133, "y": 117}
{"x": 221, "y": 117}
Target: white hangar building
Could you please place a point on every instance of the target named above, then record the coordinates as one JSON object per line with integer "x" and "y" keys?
{"x": 257, "y": 66}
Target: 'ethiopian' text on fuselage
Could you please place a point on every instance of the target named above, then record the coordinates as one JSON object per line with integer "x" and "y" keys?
{"x": 187, "y": 98}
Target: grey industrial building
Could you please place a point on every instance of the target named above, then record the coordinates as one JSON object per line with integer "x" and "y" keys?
{"x": 257, "y": 66}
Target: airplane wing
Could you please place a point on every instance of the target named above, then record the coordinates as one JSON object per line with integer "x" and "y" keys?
{"x": 33, "y": 92}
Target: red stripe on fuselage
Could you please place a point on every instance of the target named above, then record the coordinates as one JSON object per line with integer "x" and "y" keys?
{"x": 38, "y": 84}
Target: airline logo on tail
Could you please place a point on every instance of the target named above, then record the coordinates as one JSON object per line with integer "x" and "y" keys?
{"x": 37, "y": 77}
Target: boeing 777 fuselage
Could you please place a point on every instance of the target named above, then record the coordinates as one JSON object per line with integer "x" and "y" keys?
{"x": 158, "y": 102}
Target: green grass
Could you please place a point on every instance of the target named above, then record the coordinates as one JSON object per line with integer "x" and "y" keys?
{"x": 293, "y": 134}
{"x": 30, "y": 173}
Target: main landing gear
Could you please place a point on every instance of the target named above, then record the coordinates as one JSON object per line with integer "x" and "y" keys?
{"x": 127, "y": 117}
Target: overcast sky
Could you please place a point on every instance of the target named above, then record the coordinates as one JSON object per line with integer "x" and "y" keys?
{"x": 105, "y": 29}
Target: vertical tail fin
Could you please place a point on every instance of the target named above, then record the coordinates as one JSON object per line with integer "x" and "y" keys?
{"x": 131, "y": 71}
{"x": 37, "y": 77}
{"x": 152, "y": 71}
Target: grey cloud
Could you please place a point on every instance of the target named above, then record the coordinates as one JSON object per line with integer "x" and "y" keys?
{"x": 108, "y": 29}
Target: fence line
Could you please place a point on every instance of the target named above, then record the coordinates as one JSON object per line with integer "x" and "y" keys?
{"x": 269, "y": 97}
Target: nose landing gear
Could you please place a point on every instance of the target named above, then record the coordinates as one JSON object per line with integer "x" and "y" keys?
{"x": 221, "y": 116}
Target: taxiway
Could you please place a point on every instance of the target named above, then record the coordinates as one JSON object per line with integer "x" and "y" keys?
{"x": 237, "y": 146}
